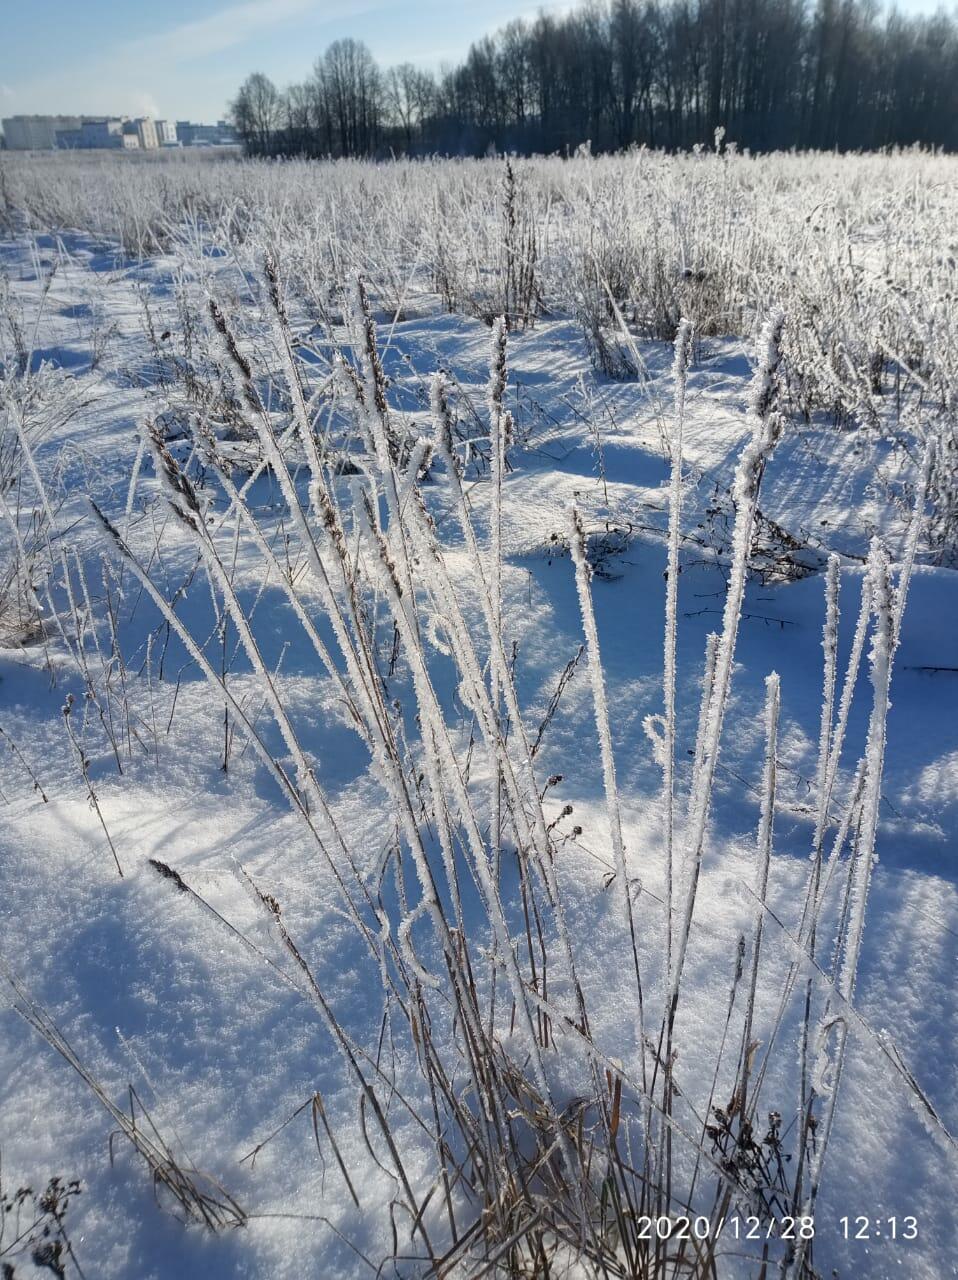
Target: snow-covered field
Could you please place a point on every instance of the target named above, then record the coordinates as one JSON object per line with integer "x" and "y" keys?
{"x": 271, "y": 990}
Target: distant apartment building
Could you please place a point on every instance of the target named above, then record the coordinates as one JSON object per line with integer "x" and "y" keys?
{"x": 105, "y": 133}
{"x": 186, "y": 133}
{"x": 37, "y": 133}
{"x": 166, "y": 133}
{"x": 110, "y": 133}
{"x": 220, "y": 134}
{"x": 226, "y": 135}
{"x": 146, "y": 133}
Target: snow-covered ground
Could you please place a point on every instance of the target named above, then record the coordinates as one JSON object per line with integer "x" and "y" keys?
{"x": 154, "y": 992}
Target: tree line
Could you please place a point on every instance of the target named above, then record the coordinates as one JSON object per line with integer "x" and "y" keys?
{"x": 614, "y": 73}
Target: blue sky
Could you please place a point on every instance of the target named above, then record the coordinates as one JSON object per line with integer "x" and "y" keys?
{"x": 182, "y": 59}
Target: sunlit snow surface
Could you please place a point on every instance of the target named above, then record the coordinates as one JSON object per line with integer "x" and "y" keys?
{"x": 151, "y": 992}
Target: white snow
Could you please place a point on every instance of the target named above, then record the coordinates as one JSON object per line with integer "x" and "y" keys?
{"x": 224, "y": 1041}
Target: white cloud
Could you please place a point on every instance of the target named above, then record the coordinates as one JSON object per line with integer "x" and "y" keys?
{"x": 232, "y": 26}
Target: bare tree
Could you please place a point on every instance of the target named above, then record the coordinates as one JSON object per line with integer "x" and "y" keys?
{"x": 408, "y": 97}
{"x": 355, "y": 96}
{"x": 257, "y": 113}
{"x": 774, "y": 73}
